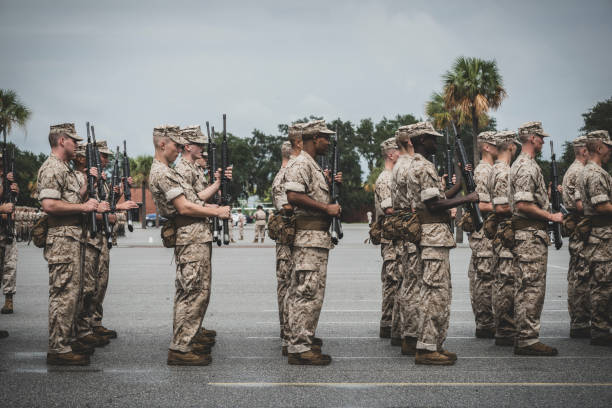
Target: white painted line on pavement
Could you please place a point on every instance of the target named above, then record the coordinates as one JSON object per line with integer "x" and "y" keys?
{"x": 377, "y": 337}
{"x": 399, "y": 357}
{"x": 409, "y": 384}
{"x": 545, "y": 322}
{"x": 378, "y": 310}
{"x": 557, "y": 267}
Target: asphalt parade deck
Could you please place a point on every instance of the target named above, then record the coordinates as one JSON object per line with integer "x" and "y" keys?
{"x": 248, "y": 369}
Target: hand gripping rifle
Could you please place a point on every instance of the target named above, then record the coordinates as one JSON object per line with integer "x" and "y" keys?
{"x": 113, "y": 195}
{"x": 556, "y": 204}
{"x": 449, "y": 169}
{"x": 336, "y": 227}
{"x": 127, "y": 190}
{"x": 225, "y": 182}
{"x": 101, "y": 190}
{"x": 470, "y": 184}
{"x": 212, "y": 168}
{"x": 8, "y": 196}
{"x": 91, "y": 180}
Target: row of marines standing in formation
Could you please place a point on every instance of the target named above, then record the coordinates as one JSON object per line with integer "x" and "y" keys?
{"x": 507, "y": 270}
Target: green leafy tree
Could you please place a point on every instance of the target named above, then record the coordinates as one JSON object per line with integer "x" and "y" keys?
{"x": 12, "y": 112}
{"x": 472, "y": 87}
{"x": 599, "y": 117}
{"x": 140, "y": 167}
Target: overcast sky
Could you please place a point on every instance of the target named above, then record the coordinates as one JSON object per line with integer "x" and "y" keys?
{"x": 127, "y": 66}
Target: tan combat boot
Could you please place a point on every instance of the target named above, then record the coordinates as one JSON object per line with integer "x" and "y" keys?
{"x": 449, "y": 354}
{"x": 94, "y": 340}
{"x": 485, "y": 333}
{"x": 8, "y": 305}
{"x": 188, "y": 359}
{"x": 409, "y": 346}
{"x": 200, "y": 348}
{"x": 316, "y": 341}
{"x": 384, "y": 333}
{"x": 309, "y": 357}
{"x": 82, "y": 348}
{"x": 207, "y": 333}
{"x": 202, "y": 339}
{"x": 67, "y": 359}
{"x": 427, "y": 357}
{"x": 103, "y": 331}
{"x": 537, "y": 349}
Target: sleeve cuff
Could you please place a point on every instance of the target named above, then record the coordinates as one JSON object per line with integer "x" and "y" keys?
{"x": 430, "y": 193}
{"x": 293, "y": 186}
{"x": 49, "y": 193}
{"x": 281, "y": 201}
{"x": 386, "y": 203}
{"x": 523, "y": 196}
{"x": 484, "y": 198}
{"x": 173, "y": 193}
{"x": 576, "y": 196}
{"x": 500, "y": 200}
{"x": 598, "y": 199}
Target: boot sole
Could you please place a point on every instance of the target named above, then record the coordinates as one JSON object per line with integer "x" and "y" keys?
{"x": 535, "y": 353}
{"x": 6, "y": 311}
{"x": 308, "y": 362}
{"x": 68, "y": 363}
{"x": 434, "y": 362}
{"x": 189, "y": 363}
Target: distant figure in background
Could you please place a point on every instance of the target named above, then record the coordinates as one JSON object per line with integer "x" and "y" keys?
{"x": 241, "y": 222}
{"x": 260, "y": 224}
{"x": 369, "y": 214}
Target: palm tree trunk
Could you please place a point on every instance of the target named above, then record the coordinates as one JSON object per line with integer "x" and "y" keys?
{"x": 475, "y": 136}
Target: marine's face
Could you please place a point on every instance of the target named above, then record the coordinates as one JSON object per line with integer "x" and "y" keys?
{"x": 605, "y": 157}
{"x": 429, "y": 142}
{"x": 394, "y": 155}
{"x": 172, "y": 150}
{"x": 196, "y": 150}
{"x": 69, "y": 145}
{"x": 321, "y": 143}
{"x": 538, "y": 142}
{"x": 104, "y": 159}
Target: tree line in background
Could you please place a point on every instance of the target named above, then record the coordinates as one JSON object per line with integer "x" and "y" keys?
{"x": 470, "y": 89}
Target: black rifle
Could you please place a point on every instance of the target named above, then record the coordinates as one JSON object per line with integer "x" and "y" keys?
{"x": 91, "y": 180}
{"x": 8, "y": 196}
{"x": 225, "y": 182}
{"x": 127, "y": 190}
{"x": 556, "y": 204}
{"x": 113, "y": 195}
{"x": 101, "y": 190}
{"x": 212, "y": 168}
{"x": 336, "y": 227}
{"x": 469, "y": 183}
{"x": 434, "y": 160}
{"x": 449, "y": 168}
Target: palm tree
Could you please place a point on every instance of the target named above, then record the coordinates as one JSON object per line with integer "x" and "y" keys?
{"x": 12, "y": 112}
{"x": 472, "y": 87}
{"x": 437, "y": 112}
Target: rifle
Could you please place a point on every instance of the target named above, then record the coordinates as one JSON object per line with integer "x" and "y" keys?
{"x": 225, "y": 186}
{"x": 113, "y": 196}
{"x": 556, "y": 204}
{"x": 336, "y": 227}
{"x": 212, "y": 168}
{"x": 470, "y": 185}
{"x": 8, "y": 196}
{"x": 127, "y": 191}
{"x": 449, "y": 168}
{"x": 91, "y": 189}
{"x": 101, "y": 191}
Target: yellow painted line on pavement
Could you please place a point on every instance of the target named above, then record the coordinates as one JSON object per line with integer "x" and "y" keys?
{"x": 409, "y": 384}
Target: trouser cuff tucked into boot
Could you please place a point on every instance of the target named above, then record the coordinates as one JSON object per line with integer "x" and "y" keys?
{"x": 424, "y": 346}
{"x": 526, "y": 342}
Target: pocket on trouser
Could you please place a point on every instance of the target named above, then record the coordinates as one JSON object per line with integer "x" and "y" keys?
{"x": 602, "y": 272}
{"x": 63, "y": 255}
{"x": 191, "y": 262}
{"x": 532, "y": 273}
{"x": 306, "y": 276}
{"x": 436, "y": 268}
{"x": 484, "y": 268}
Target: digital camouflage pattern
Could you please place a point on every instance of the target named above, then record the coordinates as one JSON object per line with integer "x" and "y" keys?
{"x": 260, "y": 224}
{"x": 504, "y": 283}
{"x": 279, "y": 197}
{"x": 101, "y": 286}
{"x": 305, "y": 297}
{"x": 63, "y": 252}
{"x": 436, "y": 241}
{"x": 390, "y": 283}
{"x": 8, "y": 266}
{"x": 596, "y": 188}
{"x": 397, "y": 313}
{"x": 165, "y": 186}
{"x": 192, "y": 182}
{"x": 578, "y": 279}
{"x": 530, "y": 251}
{"x": 480, "y": 272}
{"x": 192, "y": 283}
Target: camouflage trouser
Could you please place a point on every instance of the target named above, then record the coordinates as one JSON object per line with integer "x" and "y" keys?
{"x": 529, "y": 264}
{"x": 101, "y": 285}
{"x": 578, "y": 286}
{"x": 396, "y": 314}
{"x": 480, "y": 275}
{"x": 260, "y": 231}
{"x": 305, "y": 297}
{"x": 86, "y": 304}
{"x": 283, "y": 280}
{"x": 436, "y": 291}
{"x": 601, "y": 286}
{"x": 65, "y": 278}
{"x": 409, "y": 294}
{"x": 389, "y": 282}
{"x": 241, "y": 231}
{"x": 8, "y": 267}
{"x": 504, "y": 287}
{"x": 192, "y": 293}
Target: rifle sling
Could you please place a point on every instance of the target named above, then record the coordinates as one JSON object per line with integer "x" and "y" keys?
{"x": 519, "y": 223}
{"x": 426, "y": 217}
{"x": 315, "y": 223}
{"x": 74, "y": 220}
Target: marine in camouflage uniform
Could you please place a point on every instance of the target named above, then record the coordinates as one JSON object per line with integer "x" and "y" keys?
{"x": 578, "y": 301}
{"x": 503, "y": 272}
{"x": 8, "y": 255}
{"x": 383, "y": 204}
{"x": 260, "y": 224}
{"x": 283, "y": 252}
{"x": 192, "y": 250}
{"x": 480, "y": 272}
{"x": 306, "y": 184}
{"x": 528, "y": 193}
{"x": 596, "y": 191}
{"x": 432, "y": 205}
{"x": 408, "y": 264}
{"x": 59, "y": 187}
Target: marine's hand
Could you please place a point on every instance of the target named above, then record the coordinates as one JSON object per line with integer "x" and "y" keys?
{"x": 556, "y": 217}
{"x": 127, "y": 205}
{"x": 333, "y": 210}
{"x": 223, "y": 212}
{"x": 472, "y": 197}
{"x": 103, "y": 207}
{"x": 338, "y": 177}
{"x": 90, "y": 205}
{"x": 93, "y": 171}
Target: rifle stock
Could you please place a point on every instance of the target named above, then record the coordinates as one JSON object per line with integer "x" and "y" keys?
{"x": 336, "y": 227}
{"x": 91, "y": 189}
{"x": 556, "y": 204}
{"x": 470, "y": 184}
{"x": 127, "y": 191}
{"x": 101, "y": 192}
{"x": 212, "y": 168}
